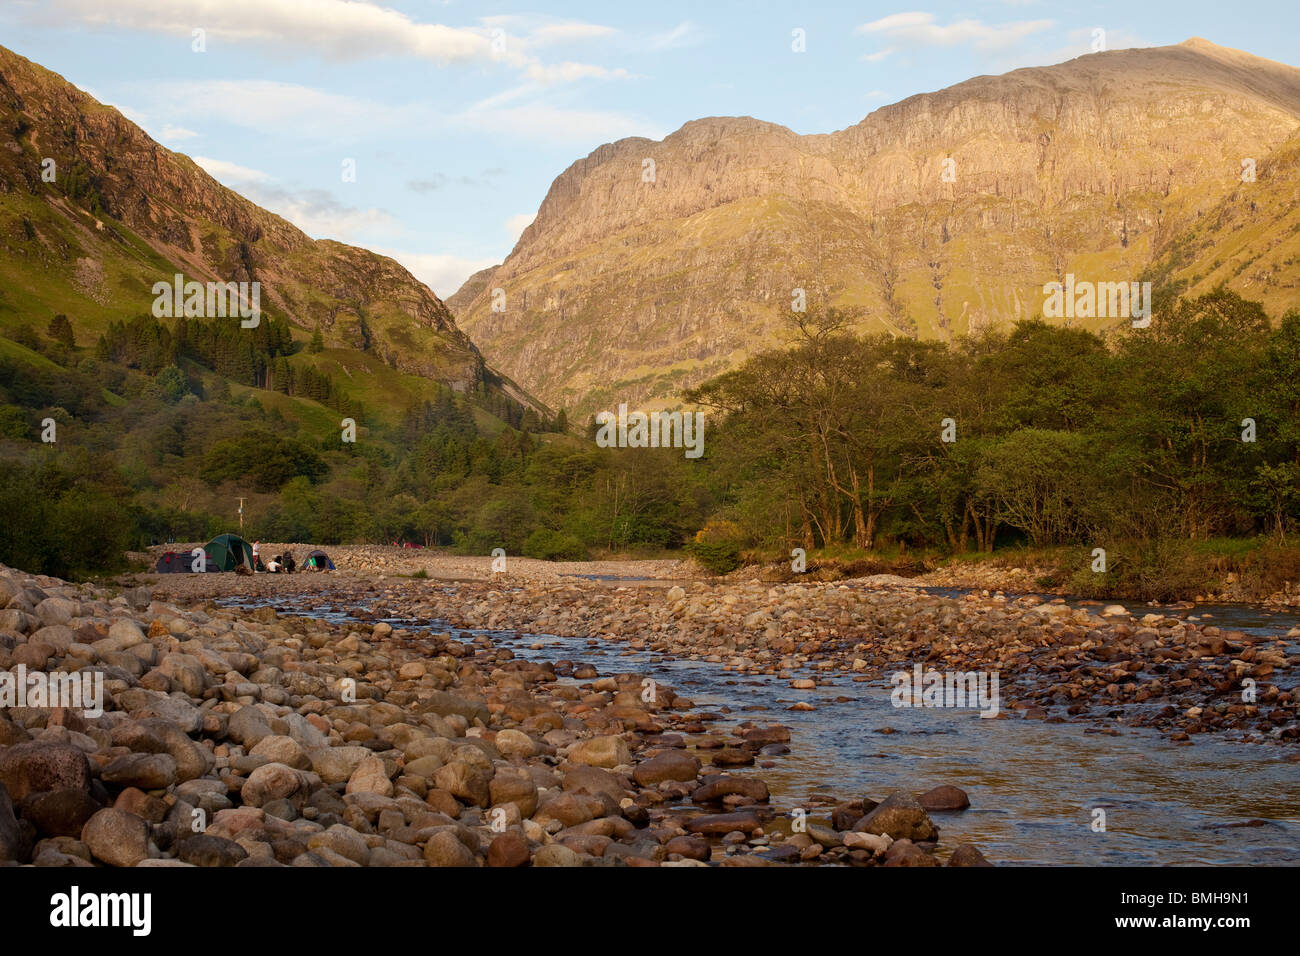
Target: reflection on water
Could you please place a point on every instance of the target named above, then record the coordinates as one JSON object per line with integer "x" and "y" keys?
{"x": 1033, "y": 785}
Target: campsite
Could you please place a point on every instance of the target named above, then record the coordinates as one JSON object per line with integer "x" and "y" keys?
{"x": 232, "y": 553}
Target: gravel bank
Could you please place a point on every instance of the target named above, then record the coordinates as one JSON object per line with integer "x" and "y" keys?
{"x": 246, "y": 738}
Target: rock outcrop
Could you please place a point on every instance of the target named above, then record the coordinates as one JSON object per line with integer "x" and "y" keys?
{"x": 653, "y": 265}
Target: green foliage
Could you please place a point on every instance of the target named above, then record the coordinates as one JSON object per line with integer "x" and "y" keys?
{"x": 549, "y": 545}
{"x": 13, "y": 423}
{"x": 64, "y": 519}
{"x": 718, "y": 557}
{"x": 1061, "y": 436}
{"x": 1160, "y": 569}
{"x": 38, "y": 387}
{"x": 717, "y": 547}
{"x": 266, "y": 461}
{"x": 170, "y": 385}
{"x": 1065, "y": 440}
{"x": 80, "y": 185}
{"x": 60, "y": 331}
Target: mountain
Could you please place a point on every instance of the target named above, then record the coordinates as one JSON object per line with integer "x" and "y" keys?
{"x": 653, "y": 265}
{"x": 123, "y": 212}
{"x": 471, "y": 287}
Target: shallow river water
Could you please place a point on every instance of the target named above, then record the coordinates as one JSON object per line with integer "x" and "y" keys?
{"x": 1034, "y": 786}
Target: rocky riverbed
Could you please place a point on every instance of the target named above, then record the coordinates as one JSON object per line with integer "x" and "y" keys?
{"x": 233, "y": 737}
{"x": 1172, "y": 670}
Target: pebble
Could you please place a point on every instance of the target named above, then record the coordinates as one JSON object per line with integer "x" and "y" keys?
{"x": 116, "y": 837}
{"x": 438, "y": 742}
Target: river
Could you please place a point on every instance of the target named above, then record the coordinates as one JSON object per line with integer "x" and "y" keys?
{"x": 1035, "y": 786}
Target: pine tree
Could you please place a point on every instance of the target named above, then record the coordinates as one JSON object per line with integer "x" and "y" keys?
{"x": 60, "y": 330}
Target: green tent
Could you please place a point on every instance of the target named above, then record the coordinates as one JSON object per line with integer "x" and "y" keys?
{"x": 226, "y": 551}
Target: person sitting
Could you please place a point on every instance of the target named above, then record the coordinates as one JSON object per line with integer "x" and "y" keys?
{"x": 289, "y": 563}
{"x": 275, "y": 565}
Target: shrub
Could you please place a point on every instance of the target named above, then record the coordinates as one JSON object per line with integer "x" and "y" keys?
{"x": 1157, "y": 570}
{"x": 548, "y": 545}
{"x": 717, "y": 547}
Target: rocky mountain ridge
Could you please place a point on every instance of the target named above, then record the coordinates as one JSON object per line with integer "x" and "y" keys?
{"x": 123, "y": 212}
{"x": 652, "y": 265}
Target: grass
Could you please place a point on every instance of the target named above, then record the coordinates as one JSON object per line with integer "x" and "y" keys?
{"x": 11, "y": 349}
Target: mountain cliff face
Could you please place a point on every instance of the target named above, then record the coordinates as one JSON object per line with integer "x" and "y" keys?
{"x": 122, "y": 212}
{"x": 653, "y": 265}
{"x": 460, "y": 300}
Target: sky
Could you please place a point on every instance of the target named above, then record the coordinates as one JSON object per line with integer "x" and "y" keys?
{"x": 431, "y": 130}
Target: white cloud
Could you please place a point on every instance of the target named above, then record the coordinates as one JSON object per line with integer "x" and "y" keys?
{"x": 569, "y": 32}
{"x": 319, "y": 214}
{"x": 172, "y": 133}
{"x": 444, "y": 274}
{"x": 569, "y": 71}
{"x": 516, "y": 225}
{"x": 291, "y": 111}
{"x": 533, "y": 30}
{"x": 286, "y": 109}
{"x": 335, "y": 29}
{"x": 918, "y": 29}
{"x": 684, "y": 34}
{"x": 506, "y": 96}
{"x": 227, "y": 172}
{"x": 342, "y": 29}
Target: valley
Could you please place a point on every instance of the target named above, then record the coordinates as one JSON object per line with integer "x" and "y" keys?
{"x": 922, "y": 492}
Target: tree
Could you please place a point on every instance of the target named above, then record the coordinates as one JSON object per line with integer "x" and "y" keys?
{"x": 60, "y": 330}
{"x": 266, "y": 461}
{"x": 1038, "y": 479}
{"x": 170, "y": 385}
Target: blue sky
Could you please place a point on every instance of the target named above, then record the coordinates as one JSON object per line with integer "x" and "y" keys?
{"x": 459, "y": 114}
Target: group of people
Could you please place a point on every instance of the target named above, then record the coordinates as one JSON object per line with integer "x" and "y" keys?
{"x": 280, "y": 564}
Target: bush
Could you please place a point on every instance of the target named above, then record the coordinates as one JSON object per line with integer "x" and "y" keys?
{"x": 56, "y": 523}
{"x": 1273, "y": 568}
{"x": 717, "y": 547}
{"x": 262, "y": 459}
{"x": 1158, "y": 570}
{"x": 547, "y": 545}
{"x": 13, "y": 423}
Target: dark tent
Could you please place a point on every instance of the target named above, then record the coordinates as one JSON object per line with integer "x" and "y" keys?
{"x": 227, "y": 551}
{"x": 175, "y": 562}
{"x": 318, "y": 561}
